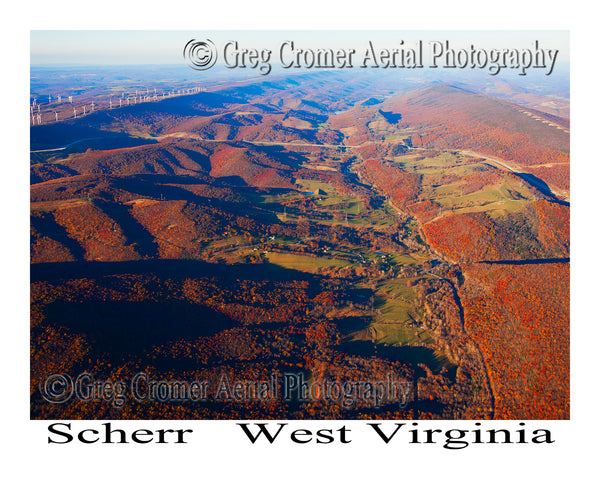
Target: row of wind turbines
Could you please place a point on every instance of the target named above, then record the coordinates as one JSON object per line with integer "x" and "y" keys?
{"x": 39, "y": 116}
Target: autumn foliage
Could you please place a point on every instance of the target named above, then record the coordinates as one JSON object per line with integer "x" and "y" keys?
{"x": 541, "y": 230}
{"x": 293, "y": 226}
{"x": 451, "y": 117}
{"x": 519, "y": 317}
{"x": 402, "y": 187}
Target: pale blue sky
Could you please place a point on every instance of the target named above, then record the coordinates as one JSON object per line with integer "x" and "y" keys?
{"x": 165, "y": 47}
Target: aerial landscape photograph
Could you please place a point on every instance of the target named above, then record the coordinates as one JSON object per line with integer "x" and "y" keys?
{"x": 300, "y": 225}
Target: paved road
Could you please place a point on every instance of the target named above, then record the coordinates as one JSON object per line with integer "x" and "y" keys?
{"x": 63, "y": 148}
{"x": 531, "y": 178}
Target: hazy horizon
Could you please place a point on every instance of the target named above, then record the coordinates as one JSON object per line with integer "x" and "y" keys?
{"x": 116, "y": 47}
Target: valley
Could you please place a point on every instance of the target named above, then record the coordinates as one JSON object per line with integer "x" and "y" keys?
{"x": 321, "y": 224}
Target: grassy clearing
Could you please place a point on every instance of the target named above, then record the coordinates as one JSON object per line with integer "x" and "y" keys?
{"x": 445, "y": 163}
{"x": 269, "y": 199}
{"x": 396, "y": 317}
{"x": 509, "y": 196}
{"x": 444, "y": 160}
{"x": 400, "y": 259}
{"x": 226, "y": 242}
{"x": 352, "y": 208}
{"x": 395, "y": 310}
{"x": 398, "y": 288}
{"x": 496, "y": 209}
{"x": 334, "y": 205}
{"x": 313, "y": 186}
{"x": 332, "y": 200}
{"x": 390, "y": 334}
{"x": 303, "y": 263}
{"x": 394, "y": 326}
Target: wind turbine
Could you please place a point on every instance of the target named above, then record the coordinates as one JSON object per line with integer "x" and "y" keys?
{"x": 84, "y": 109}
{"x": 56, "y": 116}
{"x": 75, "y": 112}
{"x": 120, "y": 102}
